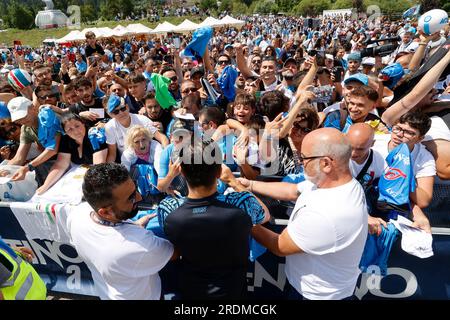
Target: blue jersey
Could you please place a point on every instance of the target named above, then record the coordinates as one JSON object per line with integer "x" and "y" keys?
{"x": 243, "y": 200}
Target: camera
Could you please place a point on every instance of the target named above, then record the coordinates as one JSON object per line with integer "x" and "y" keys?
{"x": 382, "y": 50}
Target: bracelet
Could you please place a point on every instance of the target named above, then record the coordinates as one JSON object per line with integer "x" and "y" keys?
{"x": 251, "y": 185}
{"x": 423, "y": 43}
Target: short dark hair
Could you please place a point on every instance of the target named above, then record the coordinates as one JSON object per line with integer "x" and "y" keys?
{"x": 99, "y": 182}
{"x": 365, "y": 91}
{"x": 245, "y": 99}
{"x": 203, "y": 173}
{"x": 416, "y": 120}
{"x": 166, "y": 69}
{"x": 83, "y": 82}
{"x": 41, "y": 88}
{"x": 213, "y": 114}
{"x": 273, "y": 103}
{"x": 136, "y": 78}
{"x": 150, "y": 96}
{"x": 67, "y": 116}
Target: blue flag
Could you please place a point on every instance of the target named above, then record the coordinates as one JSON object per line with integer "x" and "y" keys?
{"x": 411, "y": 12}
{"x": 226, "y": 82}
{"x": 200, "y": 39}
{"x": 398, "y": 179}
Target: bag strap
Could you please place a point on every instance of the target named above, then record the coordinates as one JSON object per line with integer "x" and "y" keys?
{"x": 366, "y": 167}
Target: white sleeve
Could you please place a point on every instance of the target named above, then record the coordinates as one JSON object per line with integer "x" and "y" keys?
{"x": 426, "y": 167}
{"x": 110, "y": 133}
{"x": 313, "y": 233}
{"x": 146, "y": 122}
{"x": 305, "y": 186}
{"x": 157, "y": 157}
{"x": 152, "y": 253}
{"x": 128, "y": 158}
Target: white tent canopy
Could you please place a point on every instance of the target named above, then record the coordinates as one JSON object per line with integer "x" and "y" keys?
{"x": 164, "y": 27}
{"x": 74, "y": 35}
{"x": 186, "y": 26}
{"x": 120, "y": 31}
{"x": 104, "y": 32}
{"x": 211, "y": 22}
{"x": 138, "y": 28}
{"x": 230, "y": 21}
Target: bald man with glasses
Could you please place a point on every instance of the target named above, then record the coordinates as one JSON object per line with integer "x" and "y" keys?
{"x": 327, "y": 230}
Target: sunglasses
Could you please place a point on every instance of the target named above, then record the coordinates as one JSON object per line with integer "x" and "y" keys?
{"x": 189, "y": 90}
{"x": 223, "y": 62}
{"x": 302, "y": 129}
{"x": 51, "y": 95}
{"x": 119, "y": 110}
{"x": 174, "y": 78}
{"x": 256, "y": 61}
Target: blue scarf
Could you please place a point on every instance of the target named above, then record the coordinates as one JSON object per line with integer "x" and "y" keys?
{"x": 48, "y": 126}
{"x": 226, "y": 82}
{"x": 97, "y": 137}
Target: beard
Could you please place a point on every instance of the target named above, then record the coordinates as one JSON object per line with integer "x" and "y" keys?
{"x": 124, "y": 215}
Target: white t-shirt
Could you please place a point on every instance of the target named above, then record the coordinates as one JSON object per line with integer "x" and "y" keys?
{"x": 115, "y": 132}
{"x": 332, "y": 234}
{"x": 129, "y": 156}
{"x": 124, "y": 260}
{"x": 424, "y": 164}
{"x": 376, "y": 168}
{"x": 438, "y": 131}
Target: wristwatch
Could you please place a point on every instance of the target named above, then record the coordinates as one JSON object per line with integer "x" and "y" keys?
{"x": 30, "y": 167}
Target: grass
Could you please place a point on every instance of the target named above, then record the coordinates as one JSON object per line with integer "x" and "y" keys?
{"x": 34, "y": 37}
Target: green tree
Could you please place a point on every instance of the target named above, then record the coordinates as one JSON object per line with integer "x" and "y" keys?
{"x": 239, "y": 7}
{"x": 226, "y": 5}
{"x": 343, "y": 4}
{"x": 88, "y": 13}
{"x": 427, "y": 5}
{"x": 208, "y": 4}
{"x": 266, "y": 7}
{"x": 308, "y": 8}
{"x": 389, "y": 7}
{"x": 126, "y": 7}
{"x": 20, "y": 17}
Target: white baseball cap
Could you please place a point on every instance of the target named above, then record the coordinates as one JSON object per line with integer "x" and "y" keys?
{"x": 18, "y": 107}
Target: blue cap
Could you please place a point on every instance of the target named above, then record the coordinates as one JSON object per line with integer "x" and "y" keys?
{"x": 355, "y": 56}
{"x": 358, "y": 77}
{"x": 4, "y": 112}
{"x": 228, "y": 46}
{"x": 395, "y": 72}
{"x": 114, "y": 102}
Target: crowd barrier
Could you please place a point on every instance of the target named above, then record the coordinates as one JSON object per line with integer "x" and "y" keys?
{"x": 408, "y": 277}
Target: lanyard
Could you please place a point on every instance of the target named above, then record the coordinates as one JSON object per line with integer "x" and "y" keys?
{"x": 106, "y": 223}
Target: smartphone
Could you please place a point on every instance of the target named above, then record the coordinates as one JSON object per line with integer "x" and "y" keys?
{"x": 177, "y": 42}
{"x": 337, "y": 72}
{"x": 18, "y": 46}
{"x": 312, "y": 53}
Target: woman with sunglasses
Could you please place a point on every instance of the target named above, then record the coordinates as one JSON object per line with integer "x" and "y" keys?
{"x": 121, "y": 121}
{"x": 75, "y": 147}
{"x": 289, "y": 130}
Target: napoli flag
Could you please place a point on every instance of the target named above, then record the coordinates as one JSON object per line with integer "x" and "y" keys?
{"x": 398, "y": 179}
{"x": 200, "y": 39}
{"x": 411, "y": 12}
